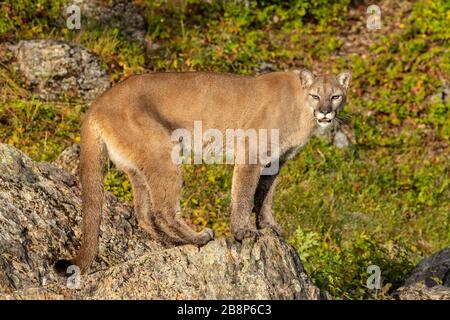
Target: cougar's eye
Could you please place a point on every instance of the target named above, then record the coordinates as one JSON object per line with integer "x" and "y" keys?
{"x": 335, "y": 97}
{"x": 315, "y": 97}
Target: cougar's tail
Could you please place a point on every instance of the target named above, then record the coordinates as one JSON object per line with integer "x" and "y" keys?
{"x": 92, "y": 159}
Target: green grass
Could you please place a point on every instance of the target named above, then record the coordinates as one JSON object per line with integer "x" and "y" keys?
{"x": 382, "y": 201}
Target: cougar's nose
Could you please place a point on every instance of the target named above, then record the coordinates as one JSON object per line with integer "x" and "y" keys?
{"x": 325, "y": 110}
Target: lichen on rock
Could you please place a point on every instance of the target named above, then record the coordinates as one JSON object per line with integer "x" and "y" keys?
{"x": 57, "y": 69}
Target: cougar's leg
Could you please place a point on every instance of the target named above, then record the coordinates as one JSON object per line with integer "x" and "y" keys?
{"x": 263, "y": 203}
{"x": 245, "y": 181}
{"x": 143, "y": 209}
{"x": 165, "y": 192}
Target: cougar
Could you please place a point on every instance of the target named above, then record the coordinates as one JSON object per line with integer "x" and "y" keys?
{"x": 133, "y": 121}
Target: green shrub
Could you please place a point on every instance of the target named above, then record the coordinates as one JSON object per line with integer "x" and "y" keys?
{"x": 37, "y": 17}
{"x": 340, "y": 267}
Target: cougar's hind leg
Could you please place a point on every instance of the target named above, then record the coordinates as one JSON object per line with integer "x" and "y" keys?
{"x": 143, "y": 208}
{"x": 165, "y": 192}
{"x": 146, "y": 214}
{"x": 152, "y": 160}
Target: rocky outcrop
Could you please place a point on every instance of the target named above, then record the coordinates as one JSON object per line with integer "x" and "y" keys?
{"x": 430, "y": 279}
{"x": 265, "y": 268}
{"x": 56, "y": 69}
{"x": 40, "y": 223}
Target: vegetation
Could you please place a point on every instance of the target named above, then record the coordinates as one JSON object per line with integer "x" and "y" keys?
{"x": 382, "y": 201}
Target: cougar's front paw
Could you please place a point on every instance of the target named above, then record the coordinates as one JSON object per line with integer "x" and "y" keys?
{"x": 205, "y": 236}
{"x": 242, "y": 233}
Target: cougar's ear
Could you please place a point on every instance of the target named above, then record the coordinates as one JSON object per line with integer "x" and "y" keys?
{"x": 306, "y": 77}
{"x": 344, "y": 78}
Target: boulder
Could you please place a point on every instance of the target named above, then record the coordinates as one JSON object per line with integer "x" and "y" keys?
{"x": 56, "y": 69}
{"x": 40, "y": 222}
{"x": 40, "y": 213}
{"x": 430, "y": 279}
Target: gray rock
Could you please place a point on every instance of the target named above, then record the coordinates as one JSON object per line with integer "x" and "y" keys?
{"x": 420, "y": 291}
{"x": 266, "y": 268}
{"x": 69, "y": 159}
{"x": 430, "y": 279}
{"x": 40, "y": 223}
{"x": 121, "y": 14}
{"x": 41, "y": 218}
{"x": 57, "y": 69}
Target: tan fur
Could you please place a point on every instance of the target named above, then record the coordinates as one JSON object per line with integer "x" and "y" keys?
{"x": 133, "y": 122}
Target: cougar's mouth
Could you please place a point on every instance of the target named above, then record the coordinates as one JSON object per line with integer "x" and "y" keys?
{"x": 324, "y": 119}
{"x": 324, "y": 122}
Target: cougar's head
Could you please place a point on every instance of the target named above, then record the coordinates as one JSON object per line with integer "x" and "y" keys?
{"x": 325, "y": 95}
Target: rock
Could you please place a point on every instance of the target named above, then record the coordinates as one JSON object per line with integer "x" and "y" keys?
{"x": 57, "y": 69}
{"x": 121, "y": 14}
{"x": 40, "y": 214}
{"x": 266, "y": 268}
{"x": 69, "y": 159}
{"x": 430, "y": 279}
{"x": 437, "y": 266}
{"x": 420, "y": 291}
{"x": 40, "y": 223}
